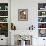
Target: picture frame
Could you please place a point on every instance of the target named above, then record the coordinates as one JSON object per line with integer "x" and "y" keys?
{"x": 22, "y": 14}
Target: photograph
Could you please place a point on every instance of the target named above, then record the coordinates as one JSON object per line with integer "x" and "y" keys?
{"x": 23, "y": 14}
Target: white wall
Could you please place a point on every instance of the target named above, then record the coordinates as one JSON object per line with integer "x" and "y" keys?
{"x": 32, "y": 13}
{"x": 32, "y": 6}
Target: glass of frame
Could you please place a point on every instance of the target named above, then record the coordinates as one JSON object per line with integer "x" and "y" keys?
{"x": 22, "y": 14}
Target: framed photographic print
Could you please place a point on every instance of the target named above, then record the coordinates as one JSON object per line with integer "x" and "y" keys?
{"x": 23, "y": 14}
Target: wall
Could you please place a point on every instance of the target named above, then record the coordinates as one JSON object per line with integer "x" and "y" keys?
{"x": 32, "y": 13}
{"x": 32, "y": 6}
